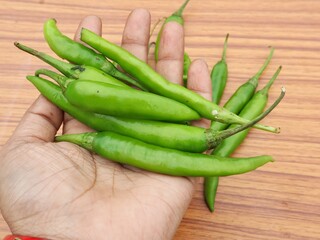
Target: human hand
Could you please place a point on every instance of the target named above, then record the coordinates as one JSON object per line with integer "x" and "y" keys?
{"x": 61, "y": 191}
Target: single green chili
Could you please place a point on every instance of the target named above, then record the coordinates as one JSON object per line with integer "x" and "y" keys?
{"x": 210, "y": 191}
{"x": 186, "y": 66}
{"x": 159, "y": 85}
{"x": 74, "y": 71}
{"x": 153, "y": 158}
{"x": 252, "y": 109}
{"x": 219, "y": 75}
{"x": 175, "y": 17}
{"x": 91, "y": 77}
{"x": 77, "y": 53}
{"x": 168, "y": 135}
{"x": 113, "y": 100}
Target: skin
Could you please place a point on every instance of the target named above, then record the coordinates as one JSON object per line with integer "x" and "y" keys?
{"x": 60, "y": 191}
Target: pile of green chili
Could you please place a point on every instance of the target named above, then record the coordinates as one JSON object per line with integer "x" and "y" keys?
{"x": 148, "y": 126}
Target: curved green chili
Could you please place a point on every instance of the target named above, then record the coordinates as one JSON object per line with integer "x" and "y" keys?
{"x": 252, "y": 109}
{"x": 219, "y": 75}
{"x": 87, "y": 75}
{"x": 74, "y": 71}
{"x": 153, "y": 158}
{"x": 77, "y": 53}
{"x": 168, "y": 135}
{"x": 158, "y": 84}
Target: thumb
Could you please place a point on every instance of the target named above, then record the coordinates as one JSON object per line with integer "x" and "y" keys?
{"x": 40, "y": 123}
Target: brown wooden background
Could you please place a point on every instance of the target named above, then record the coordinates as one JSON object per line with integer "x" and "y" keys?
{"x": 280, "y": 200}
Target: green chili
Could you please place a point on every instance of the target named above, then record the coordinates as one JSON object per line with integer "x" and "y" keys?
{"x": 77, "y": 53}
{"x": 57, "y": 77}
{"x": 93, "y": 76}
{"x": 252, "y": 109}
{"x": 237, "y": 101}
{"x": 186, "y": 66}
{"x": 73, "y": 71}
{"x": 159, "y": 85}
{"x": 175, "y": 17}
{"x": 113, "y": 100}
{"x": 154, "y": 28}
{"x": 219, "y": 75}
{"x": 243, "y": 94}
{"x": 157, "y": 159}
{"x": 210, "y": 191}
{"x": 168, "y": 135}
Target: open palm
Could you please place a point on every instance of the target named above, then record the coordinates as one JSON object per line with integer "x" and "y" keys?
{"x": 61, "y": 191}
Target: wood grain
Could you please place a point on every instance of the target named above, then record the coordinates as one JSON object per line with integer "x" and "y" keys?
{"x": 280, "y": 200}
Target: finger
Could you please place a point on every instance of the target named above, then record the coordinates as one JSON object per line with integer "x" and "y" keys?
{"x": 199, "y": 81}
{"x": 40, "y": 123}
{"x": 170, "y": 54}
{"x": 92, "y": 23}
{"x": 71, "y": 125}
{"x": 135, "y": 37}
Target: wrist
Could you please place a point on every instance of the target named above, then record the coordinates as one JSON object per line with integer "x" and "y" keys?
{"x": 19, "y": 237}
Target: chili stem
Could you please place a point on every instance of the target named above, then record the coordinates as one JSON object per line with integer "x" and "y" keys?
{"x": 179, "y": 12}
{"x": 50, "y": 74}
{"x": 229, "y": 132}
{"x": 224, "y": 52}
{"x": 62, "y": 66}
{"x": 255, "y": 78}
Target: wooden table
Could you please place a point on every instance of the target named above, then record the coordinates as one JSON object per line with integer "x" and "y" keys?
{"x": 280, "y": 200}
